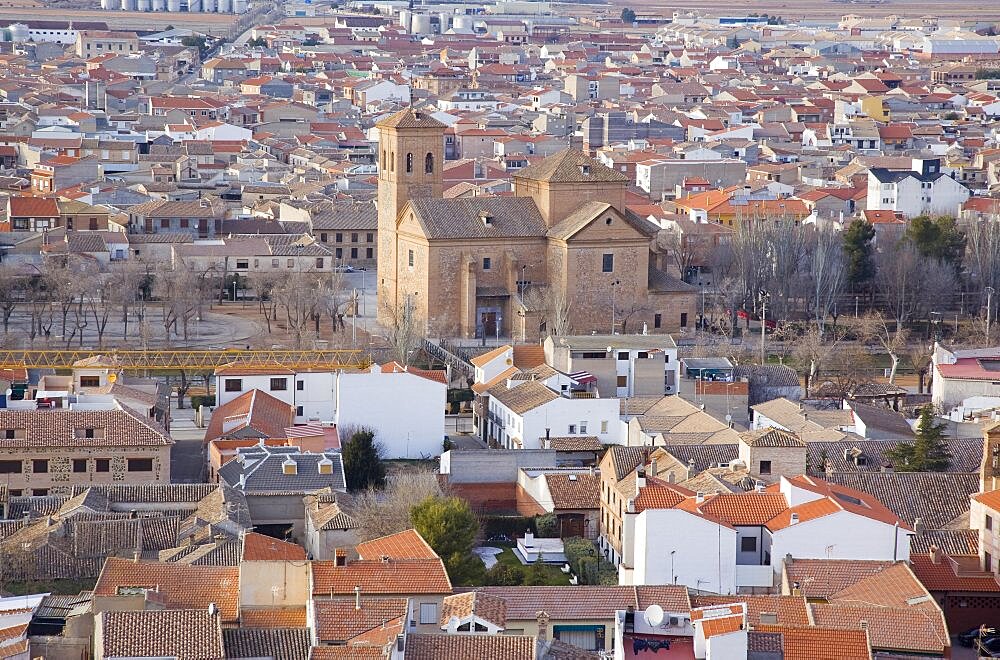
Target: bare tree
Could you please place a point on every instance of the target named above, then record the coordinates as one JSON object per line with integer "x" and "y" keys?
{"x": 983, "y": 245}
{"x": 402, "y": 330}
{"x": 899, "y": 277}
{"x": 12, "y": 288}
{"x": 122, "y": 286}
{"x": 264, "y": 284}
{"x": 298, "y": 295}
{"x": 874, "y": 327}
{"x": 180, "y": 291}
{"x": 828, "y": 273}
{"x": 812, "y": 350}
{"x": 388, "y": 512}
{"x": 551, "y": 304}
{"x": 683, "y": 250}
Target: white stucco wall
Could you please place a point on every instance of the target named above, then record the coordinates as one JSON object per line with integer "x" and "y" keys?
{"x": 704, "y": 552}
{"x": 840, "y": 535}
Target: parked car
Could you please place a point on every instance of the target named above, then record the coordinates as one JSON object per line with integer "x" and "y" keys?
{"x": 969, "y": 637}
{"x": 989, "y": 647}
{"x": 343, "y": 269}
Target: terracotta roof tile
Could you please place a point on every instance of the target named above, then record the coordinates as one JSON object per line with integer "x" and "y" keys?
{"x": 59, "y": 428}
{"x": 527, "y": 356}
{"x": 396, "y": 576}
{"x": 365, "y": 652}
{"x": 257, "y": 547}
{"x": 483, "y": 605}
{"x": 470, "y": 647}
{"x": 338, "y": 620}
{"x": 821, "y": 578}
{"x": 586, "y": 602}
{"x": 277, "y": 643}
{"x": 180, "y": 634}
{"x": 946, "y": 575}
{"x": 790, "y": 610}
{"x": 180, "y": 586}
{"x": 925, "y": 632}
{"x": 408, "y": 544}
{"x": 813, "y": 643}
{"x": 576, "y": 491}
{"x": 273, "y": 617}
{"x": 485, "y": 358}
{"x": 570, "y": 166}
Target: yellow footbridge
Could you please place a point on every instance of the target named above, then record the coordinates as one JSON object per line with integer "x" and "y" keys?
{"x": 177, "y": 360}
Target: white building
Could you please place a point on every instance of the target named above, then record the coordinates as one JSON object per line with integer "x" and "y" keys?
{"x": 736, "y": 542}
{"x": 923, "y": 190}
{"x": 405, "y": 407}
{"x": 961, "y": 375}
{"x": 523, "y": 415}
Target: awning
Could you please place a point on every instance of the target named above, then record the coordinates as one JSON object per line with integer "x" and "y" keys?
{"x": 583, "y": 377}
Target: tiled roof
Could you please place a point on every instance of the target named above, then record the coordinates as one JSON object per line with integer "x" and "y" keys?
{"x": 465, "y": 218}
{"x": 834, "y": 497}
{"x": 936, "y": 498}
{"x": 338, "y": 620}
{"x": 771, "y": 437}
{"x": 896, "y": 586}
{"x": 485, "y": 606}
{"x": 253, "y": 414}
{"x": 577, "y": 491}
{"x": 625, "y": 459}
{"x": 571, "y": 166}
{"x": 966, "y": 454}
{"x": 365, "y": 652}
{"x": 527, "y": 356}
{"x": 924, "y": 632}
{"x": 276, "y": 643}
{"x": 396, "y": 576}
{"x": 273, "y": 617}
{"x": 345, "y": 216}
{"x": 58, "y": 428}
{"x": 947, "y": 575}
{"x": 657, "y": 494}
{"x": 586, "y": 602}
{"x": 744, "y": 508}
{"x": 576, "y": 443}
{"x": 470, "y": 647}
{"x": 790, "y": 610}
{"x": 257, "y": 547}
{"x": 951, "y": 541}
{"x": 180, "y": 586}
{"x": 483, "y": 359}
{"x": 704, "y": 456}
{"x": 180, "y": 634}
{"x": 526, "y": 397}
{"x": 408, "y": 544}
{"x": 814, "y": 643}
{"x": 265, "y": 473}
{"x": 821, "y": 578}
{"x": 409, "y": 118}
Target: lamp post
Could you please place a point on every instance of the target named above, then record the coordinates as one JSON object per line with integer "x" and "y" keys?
{"x": 613, "y": 285}
{"x": 989, "y": 307}
{"x": 764, "y": 295}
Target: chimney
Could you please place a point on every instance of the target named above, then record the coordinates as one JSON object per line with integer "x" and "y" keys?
{"x": 640, "y": 479}
{"x": 212, "y": 609}
{"x": 919, "y": 526}
{"x": 935, "y": 555}
{"x": 529, "y": 538}
{"x": 652, "y": 468}
{"x": 690, "y": 467}
{"x": 699, "y": 497}
{"x": 357, "y": 598}
{"x": 759, "y": 487}
{"x": 794, "y": 519}
{"x": 796, "y": 589}
{"x": 486, "y": 217}
{"x": 543, "y": 626}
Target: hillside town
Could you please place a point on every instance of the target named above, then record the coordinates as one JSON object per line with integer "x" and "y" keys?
{"x": 385, "y": 330}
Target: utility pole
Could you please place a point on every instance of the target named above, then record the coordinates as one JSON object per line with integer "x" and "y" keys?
{"x": 989, "y": 307}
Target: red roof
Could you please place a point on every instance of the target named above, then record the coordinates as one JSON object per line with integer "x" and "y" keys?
{"x": 32, "y": 207}
{"x": 948, "y": 575}
{"x": 257, "y": 547}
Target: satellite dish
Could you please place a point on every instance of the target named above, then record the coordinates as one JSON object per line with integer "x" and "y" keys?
{"x": 653, "y": 615}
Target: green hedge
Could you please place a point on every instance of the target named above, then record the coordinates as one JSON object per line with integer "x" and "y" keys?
{"x": 512, "y": 526}
{"x": 547, "y": 526}
{"x": 588, "y": 565}
{"x": 202, "y": 400}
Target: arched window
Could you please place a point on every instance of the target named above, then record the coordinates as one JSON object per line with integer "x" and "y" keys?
{"x": 409, "y": 163}
{"x": 429, "y": 163}
{"x": 383, "y": 159}
{"x": 392, "y": 161}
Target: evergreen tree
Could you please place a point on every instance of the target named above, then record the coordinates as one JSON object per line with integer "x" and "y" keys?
{"x": 937, "y": 238}
{"x": 859, "y": 249}
{"x": 363, "y": 466}
{"x": 450, "y": 527}
{"x": 929, "y": 450}
{"x": 628, "y": 16}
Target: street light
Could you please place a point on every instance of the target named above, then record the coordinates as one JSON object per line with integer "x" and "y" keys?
{"x": 989, "y": 306}
{"x": 613, "y": 285}
{"x": 764, "y": 295}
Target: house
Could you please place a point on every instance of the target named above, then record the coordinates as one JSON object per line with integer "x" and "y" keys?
{"x": 923, "y": 190}
{"x": 625, "y": 365}
{"x": 962, "y": 374}
{"x": 152, "y": 634}
{"x": 199, "y": 218}
{"x": 48, "y": 448}
{"x": 573, "y": 495}
{"x": 752, "y": 532}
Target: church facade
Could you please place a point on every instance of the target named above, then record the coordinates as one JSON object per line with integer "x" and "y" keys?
{"x": 562, "y": 254}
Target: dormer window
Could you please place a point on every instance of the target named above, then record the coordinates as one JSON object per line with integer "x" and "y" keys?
{"x": 88, "y": 433}
{"x": 585, "y": 170}
{"x": 289, "y": 467}
{"x": 326, "y": 466}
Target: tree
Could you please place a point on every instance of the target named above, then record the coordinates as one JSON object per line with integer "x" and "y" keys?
{"x": 628, "y": 16}
{"x": 859, "y": 248}
{"x": 929, "y": 450}
{"x": 984, "y": 252}
{"x": 363, "y": 466}
{"x": 552, "y": 306}
{"x": 402, "y": 330}
{"x": 827, "y": 272}
{"x": 938, "y": 238}
{"x": 450, "y": 527}
{"x": 875, "y": 327}
{"x": 536, "y": 575}
{"x": 385, "y": 512}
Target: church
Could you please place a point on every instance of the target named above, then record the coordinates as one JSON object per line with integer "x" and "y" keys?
{"x": 561, "y": 255}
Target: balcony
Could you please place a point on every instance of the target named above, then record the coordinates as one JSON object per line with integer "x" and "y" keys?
{"x": 751, "y": 575}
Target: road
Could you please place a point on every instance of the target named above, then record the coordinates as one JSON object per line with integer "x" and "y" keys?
{"x": 187, "y": 456}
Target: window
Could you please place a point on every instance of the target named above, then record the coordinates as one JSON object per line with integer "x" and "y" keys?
{"x": 429, "y": 163}
{"x": 623, "y": 356}
{"x": 164, "y": 223}
{"x": 79, "y": 465}
{"x": 319, "y": 262}
{"x": 40, "y": 465}
{"x": 657, "y": 320}
{"x": 428, "y": 613}
{"x": 140, "y": 465}
{"x": 339, "y": 237}
{"x": 9, "y": 434}
{"x": 40, "y": 492}
{"x": 339, "y": 254}
{"x": 274, "y": 263}
{"x": 370, "y": 253}
{"x": 291, "y": 263}
{"x": 298, "y": 411}
{"x": 87, "y": 433}
{"x": 300, "y": 385}
{"x": 409, "y": 166}
{"x": 102, "y": 465}
{"x": 684, "y": 319}
{"x": 608, "y": 263}
{"x": 354, "y": 237}
{"x": 572, "y": 429}
{"x": 487, "y": 263}
{"x": 989, "y": 522}
{"x": 184, "y": 223}
{"x": 409, "y": 258}
{"x": 279, "y": 384}
{"x": 234, "y": 384}
{"x": 765, "y": 467}
{"x": 10, "y": 467}
{"x": 323, "y": 237}
{"x": 583, "y": 427}
{"x": 604, "y": 426}
{"x": 623, "y": 381}
{"x": 90, "y": 381}
{"x": 370, "y": 237}
{"x": 987, "y": 561}
{"x": 748, "y": 544}
{"x": 242, "y": 264}
{"x": 354, "y": 253}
